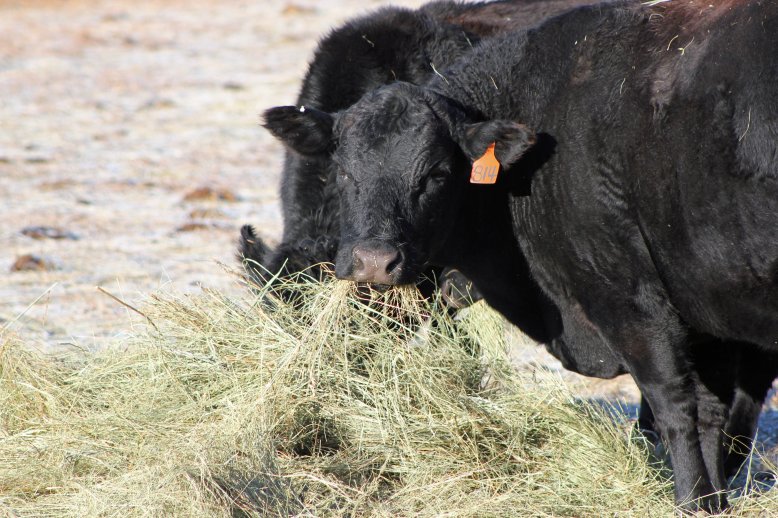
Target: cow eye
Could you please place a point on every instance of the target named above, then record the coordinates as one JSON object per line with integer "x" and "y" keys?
{"x": 438, "y": 175}
{"x": 430, "y": 183}
{"x": 434, "y": 178}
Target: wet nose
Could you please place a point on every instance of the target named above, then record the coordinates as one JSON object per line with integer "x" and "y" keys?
{"x": 376, "y": 264}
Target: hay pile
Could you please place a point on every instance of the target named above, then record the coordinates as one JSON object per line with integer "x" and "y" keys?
{"x": 324, "y": 406}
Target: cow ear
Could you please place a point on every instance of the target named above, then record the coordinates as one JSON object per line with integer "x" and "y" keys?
{"x": 511, "y": 140}
{"x": 306, "y": 130}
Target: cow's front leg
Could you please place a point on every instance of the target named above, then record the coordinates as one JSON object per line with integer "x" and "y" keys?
{"x": 673, "y": 400}
{"x": 753, "y": 380}
{"x": 655, "y": 347}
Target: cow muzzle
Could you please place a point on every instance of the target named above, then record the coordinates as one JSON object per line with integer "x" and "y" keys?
{"x": 375, "y": 263}
{"x": 457, "y": 290}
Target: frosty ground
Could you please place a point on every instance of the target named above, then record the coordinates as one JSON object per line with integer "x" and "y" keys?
{"x": 133, "y": 128}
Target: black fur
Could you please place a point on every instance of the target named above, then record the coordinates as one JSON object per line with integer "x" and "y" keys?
{"x": 647, "y": 241}
{"x": 306, "y": 131}
{"x": 388, "y": 45}
{"x": 511, "y": 138}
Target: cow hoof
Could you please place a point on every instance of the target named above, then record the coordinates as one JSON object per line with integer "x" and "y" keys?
{"x": 715, "y": 503}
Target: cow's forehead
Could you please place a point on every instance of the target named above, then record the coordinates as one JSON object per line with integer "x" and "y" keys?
{"x": 388, "y": 128}
{"x": 386, "y": 111}
{"x": 408, "y": 149}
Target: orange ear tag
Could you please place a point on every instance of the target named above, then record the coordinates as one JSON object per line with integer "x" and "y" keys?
{"x": 485, "y": 169}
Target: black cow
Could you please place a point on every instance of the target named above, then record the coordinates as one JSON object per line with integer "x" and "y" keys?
{"x": 388, "y": 45}
{"x": 648, "y": 231}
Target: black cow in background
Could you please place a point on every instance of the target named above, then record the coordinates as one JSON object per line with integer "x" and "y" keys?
{"x": 648, "y": 238}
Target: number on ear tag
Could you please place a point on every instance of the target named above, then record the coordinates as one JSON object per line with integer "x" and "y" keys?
{"x": 486, "y": 168}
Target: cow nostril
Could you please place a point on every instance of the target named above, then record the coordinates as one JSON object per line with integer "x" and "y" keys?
{"x": 359, "y": 263}
{"x": 451, "y": 295}
{"x": 446, "y": 290}
{"x": 394, "y": 263}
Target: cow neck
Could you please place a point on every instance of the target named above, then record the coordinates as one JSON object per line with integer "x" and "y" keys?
{"x": 483, "y": 247}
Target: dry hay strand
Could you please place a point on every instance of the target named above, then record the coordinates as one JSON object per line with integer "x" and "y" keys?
{"x": 339, "y": 402}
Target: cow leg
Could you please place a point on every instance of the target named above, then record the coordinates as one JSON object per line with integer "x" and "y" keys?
{"x": 754, "y": 377}
{"x": 714, "y": 375}
{"x": 741, "y": 429}
{"x": 646, "y": 422}
{"x": 655, "y": 347}
{"x": 673, "y": 400}
{"x": 756, "y": 372}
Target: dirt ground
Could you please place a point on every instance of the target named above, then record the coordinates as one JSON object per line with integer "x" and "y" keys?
{"x": 130, "y": 130}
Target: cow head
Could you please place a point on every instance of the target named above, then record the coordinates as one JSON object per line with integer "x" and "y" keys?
{"x": 403, "y": 156}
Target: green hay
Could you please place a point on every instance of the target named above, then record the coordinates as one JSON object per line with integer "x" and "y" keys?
{"x": 325, "y": 406}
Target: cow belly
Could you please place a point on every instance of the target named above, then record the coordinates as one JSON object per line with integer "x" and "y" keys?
{"x": 727, "y": 303}
{"x": 714, "y": 245}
